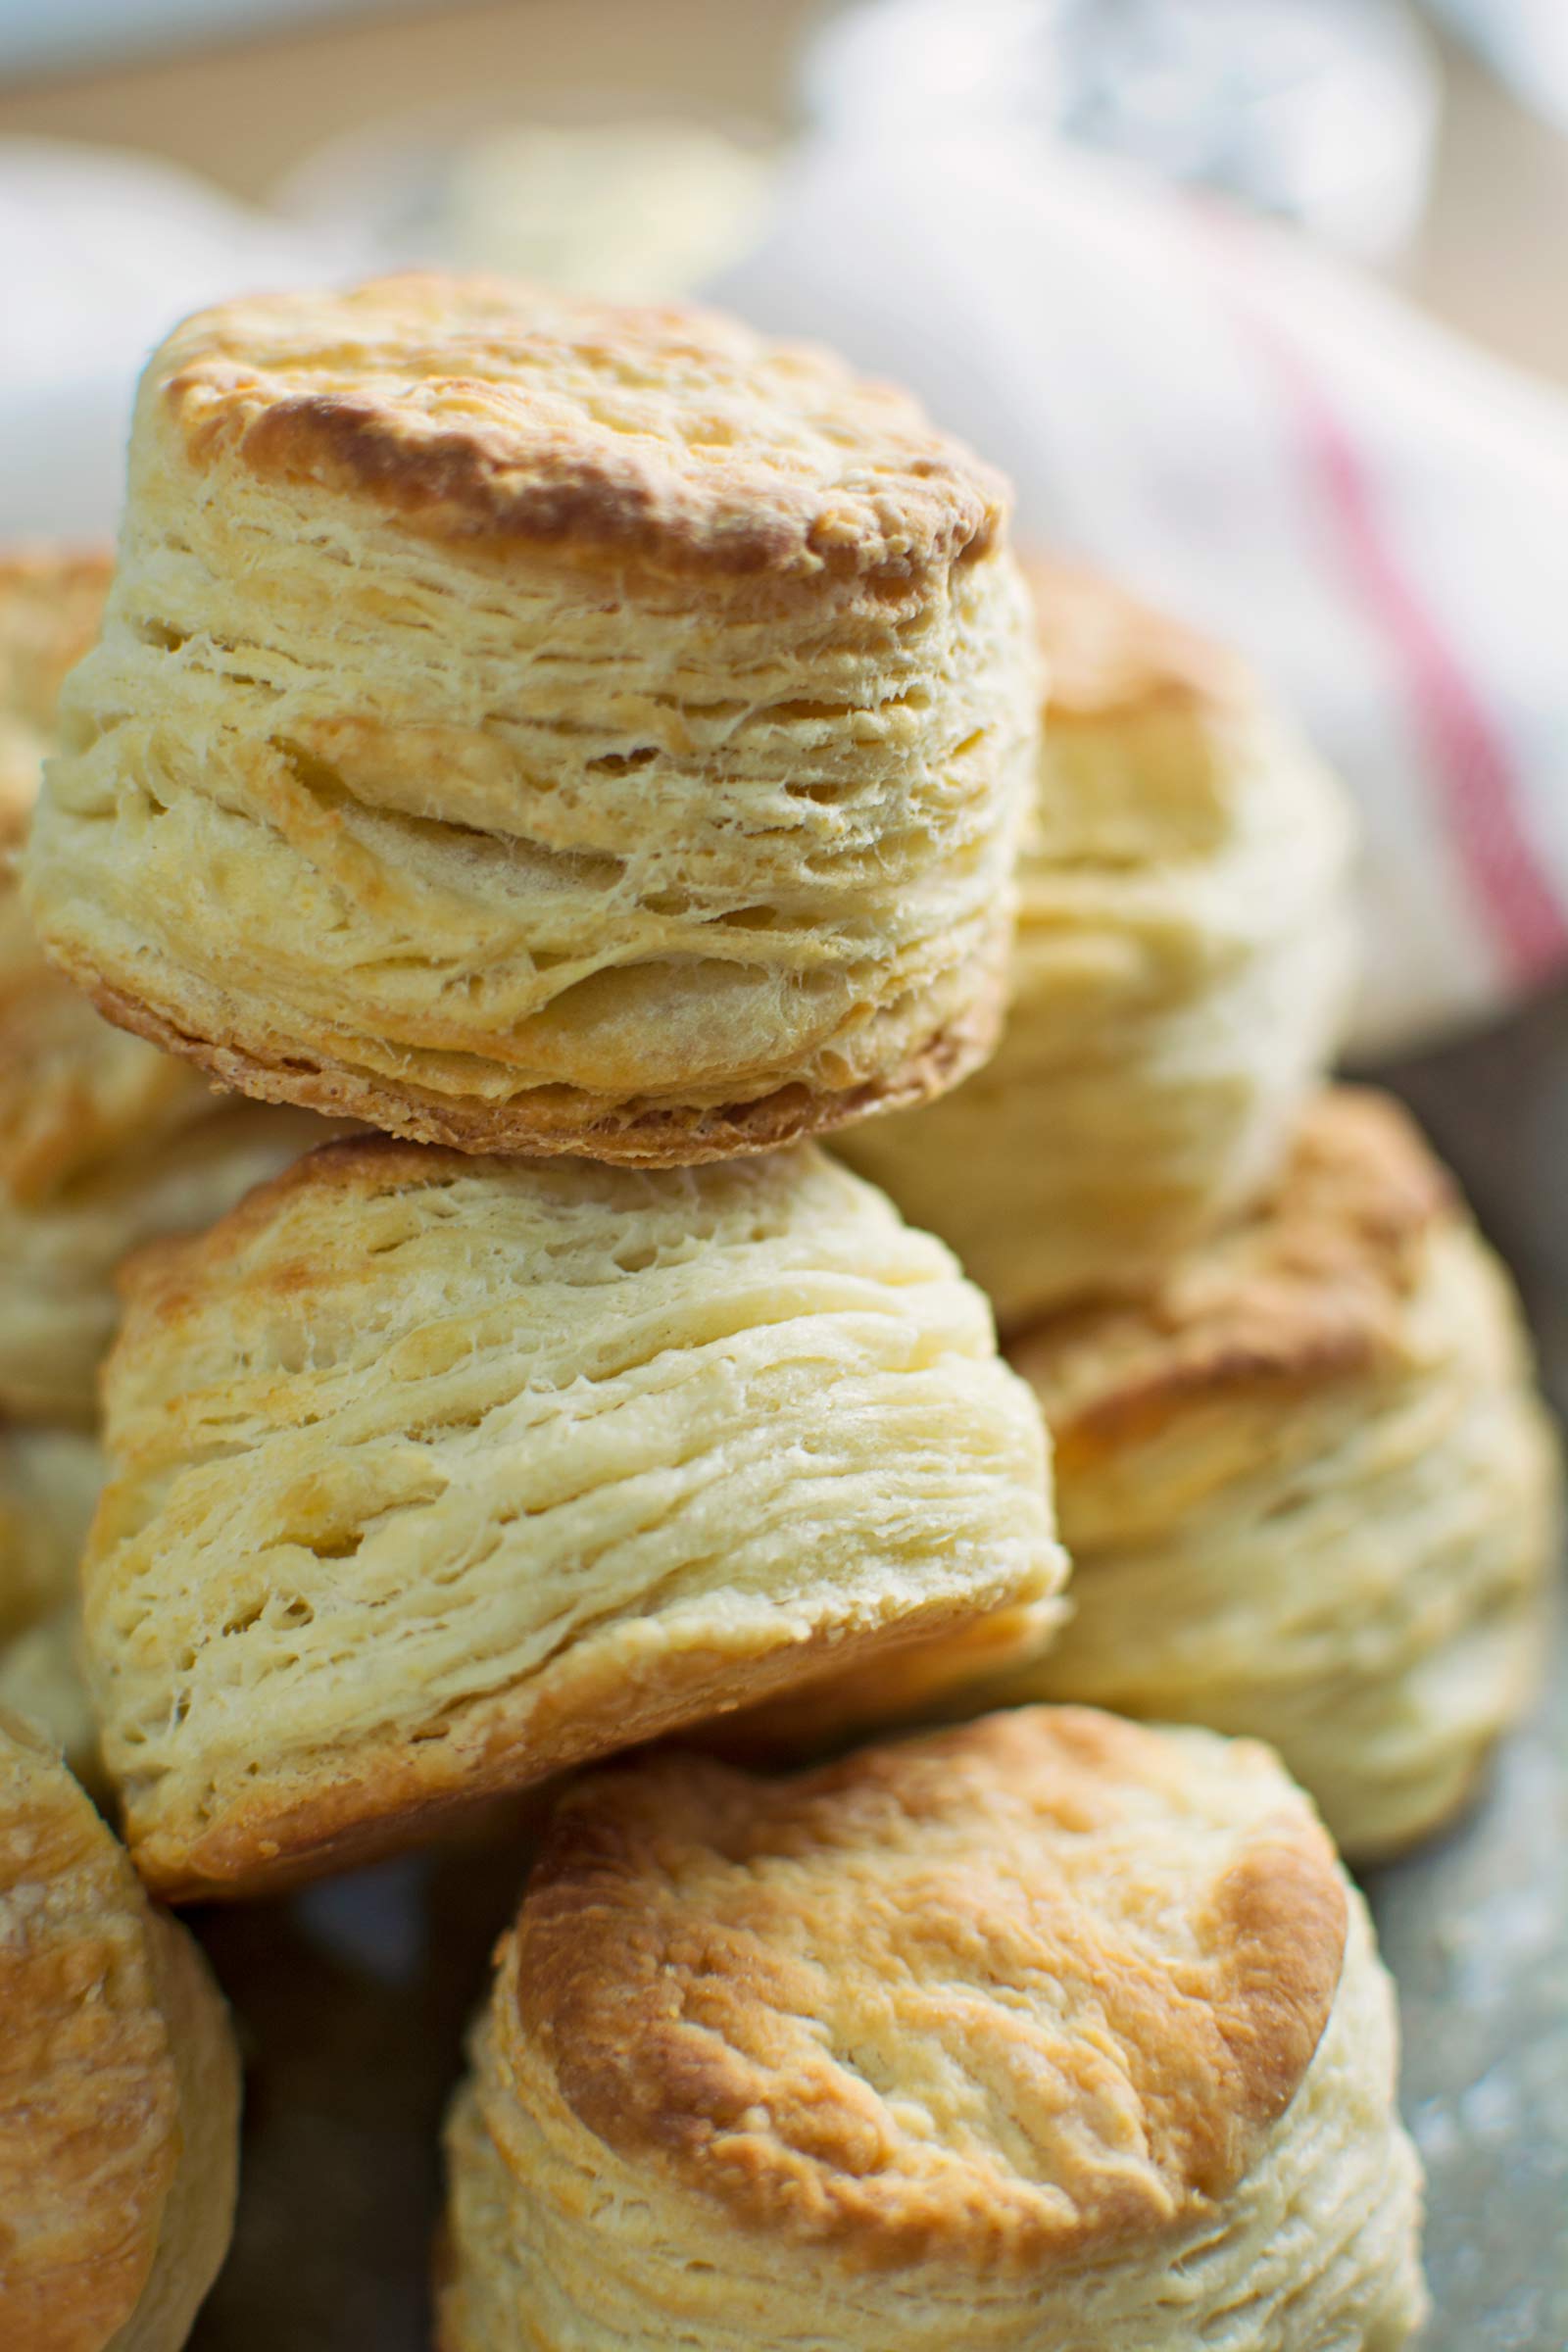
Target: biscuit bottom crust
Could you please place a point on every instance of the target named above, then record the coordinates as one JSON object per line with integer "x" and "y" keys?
{"x": 565, "y": 1123}
{"x": 286, "y": 1829}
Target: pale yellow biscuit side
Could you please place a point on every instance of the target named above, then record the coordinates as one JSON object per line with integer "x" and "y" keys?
{"x": 105, "y": 1142}
{"x": 1309, "y": 1487}
{"x": 50, "y": 1481}
{"x": 51, "y": 603}
{"x": 433, "y": 1474}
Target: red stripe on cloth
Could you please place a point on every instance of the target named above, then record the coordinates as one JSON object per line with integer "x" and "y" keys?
{"x": 1475, "y": 778}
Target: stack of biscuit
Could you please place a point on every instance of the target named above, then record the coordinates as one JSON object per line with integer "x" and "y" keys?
{"x": 104, "y": 1144}
{"x": 600, "y": 750}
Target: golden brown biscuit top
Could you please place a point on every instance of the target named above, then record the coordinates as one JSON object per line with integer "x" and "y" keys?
{"x": 1108, "y": 654}
{"x": 486, "y": 410}
{"x": 88, "y": 2095}
{"x": 1308, "y": 1291}
{"x": 354, "y": 1197}
{"x": 990, "y": 1996}
{"x": 51, "y": 603}
{"x": 410, "y": 1256}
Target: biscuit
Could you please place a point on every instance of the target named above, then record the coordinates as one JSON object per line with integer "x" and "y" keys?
{"x": 49, "y": 1485}
{"x": 41, "y": 1680}
{"x": 119, "y": 2085}
{"x": 1308, "y": 1489}
{"x": 59, "y": 1254}
{"x": 1179, "y": 978}
{"x": 533, "y": 725}
{"x": 432, "y": 1474}
{"x": 1047, "y": 2031}
{"x": 105, "y": 1142}
{"x": 51, "y": 603}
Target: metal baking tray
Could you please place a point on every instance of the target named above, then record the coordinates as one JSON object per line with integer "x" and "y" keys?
{"x": 353, "y": 1996}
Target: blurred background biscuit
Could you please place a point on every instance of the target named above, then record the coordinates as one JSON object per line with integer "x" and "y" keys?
{"x": 1179, "y": 980}
{"x": 49, "y": 1485}
{"x": 1308, "y": 1488}
{"x": 105, "y": 1142}
{"x": 51, "y": 604}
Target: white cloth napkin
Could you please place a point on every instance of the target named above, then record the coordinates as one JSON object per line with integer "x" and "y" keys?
{"x": 100, "y": 253}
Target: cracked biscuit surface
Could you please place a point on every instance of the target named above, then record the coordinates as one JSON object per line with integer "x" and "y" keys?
{"x": 433, "y": 1474}
{"x": 118, "y": 2083}
{"x": 535, "y": 725}
{"x": 1047, "y": 2031}
{"x": 1178, "y": 980}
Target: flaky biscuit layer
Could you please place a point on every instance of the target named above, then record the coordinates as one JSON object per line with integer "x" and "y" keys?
{"x": 434, "y": 1474}
{"x": 104, "y": 1143}
{"x": 539, "y": 729}
{"x": 1308, "y": 1487}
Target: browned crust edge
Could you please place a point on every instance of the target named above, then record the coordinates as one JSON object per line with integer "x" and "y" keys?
{"x": 451, "y": 485}
{"x": 593, "y": 1987}
{"x": 469, "y": 480}
{"x": 1307, "y": 1319}
{"x": 405, "y": 1790}
{"x": 926, "y": 1682}
{"x": 649, "y": 1139}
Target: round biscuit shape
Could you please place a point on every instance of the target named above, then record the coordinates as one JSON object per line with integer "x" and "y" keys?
{"x": 433, "y": 1474}
{"x": 535, "y": 725}
{"x": 1311, "y": 1491}
{"x": 1049, "y": 2030}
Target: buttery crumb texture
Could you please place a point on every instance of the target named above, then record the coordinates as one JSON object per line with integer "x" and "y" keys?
{"x": 433, "y": 1474}
{"x": 1179, "y": 978}
{"x": 1050, "y": 2030}
{"x": 119, "y": 2085}
{"x": 535, "y": 725}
